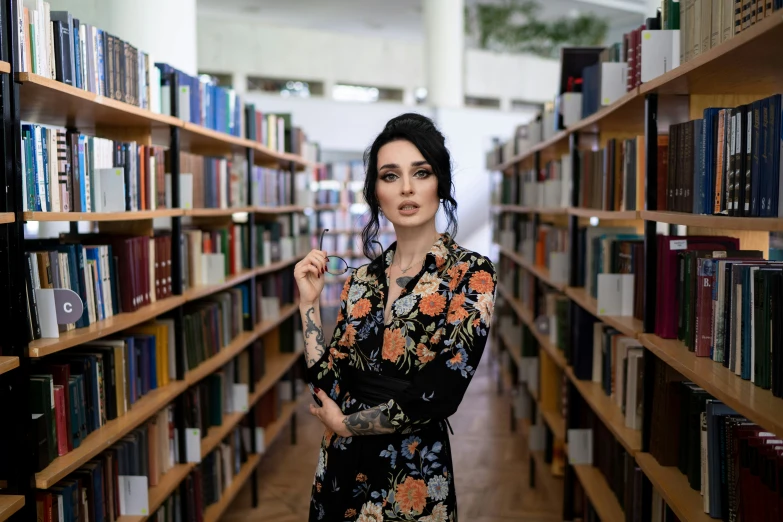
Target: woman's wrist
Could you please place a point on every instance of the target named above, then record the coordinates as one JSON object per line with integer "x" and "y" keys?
{"x": 305, "y": 306}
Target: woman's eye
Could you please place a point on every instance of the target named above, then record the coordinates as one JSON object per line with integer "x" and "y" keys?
{"x": 389, "y": 177}
{"x": 423, "y": 173}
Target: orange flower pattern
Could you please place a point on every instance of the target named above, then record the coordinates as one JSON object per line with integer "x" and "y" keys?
{"x": 434, "y": 341}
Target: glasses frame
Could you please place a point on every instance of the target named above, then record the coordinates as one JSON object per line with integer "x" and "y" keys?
{"x": 348, "y": 267}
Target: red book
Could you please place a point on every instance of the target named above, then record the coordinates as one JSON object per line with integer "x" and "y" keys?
{"x": 61, "y": 374}
{"x": 59, "y": 416}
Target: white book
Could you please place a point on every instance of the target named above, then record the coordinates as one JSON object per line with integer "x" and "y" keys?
{"x": 615, "y": 294}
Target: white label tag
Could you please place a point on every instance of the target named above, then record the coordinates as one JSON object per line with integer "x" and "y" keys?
{"x": 193, "y": 444}
{"x": 134, "y": 495}
{"x": 241, "y": 393}
{"x": 260, "y": 440}
{"x": 678, "y": 244}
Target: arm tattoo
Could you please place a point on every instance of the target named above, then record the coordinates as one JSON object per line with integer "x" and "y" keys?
{"x": 314, "y": 353}
{"x": 368, "y": 422}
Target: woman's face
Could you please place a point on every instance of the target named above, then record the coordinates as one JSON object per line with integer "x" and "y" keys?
{"x": 407, "y": 188}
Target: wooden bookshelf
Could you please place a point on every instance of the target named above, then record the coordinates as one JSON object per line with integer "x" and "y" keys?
{"x": 673, "y": 486}
{"x": 743, "y": 396}
{"x": 521, "y": 310}
{"x": 540, "y": 272}
{"x": 103, "y": 216}
{"x": 278, "y": 265}
{"x": 606, "y": 215}
{"x": 214, "y": 511}
{"x": 556, "y": 423}
{"x": 552, "y": 484}
{"x": 42, "y": 347}
{"x": 609, "y": 413}
{"x": 550, "y": 211}
{"x": 756, "y": 224}
{"x": 276, "y": 365}
{"x": 107, "y": 435}
{"x": 268, "y": 325}
{"x": 752, "y": 57}
{"x": 600, "y": 494}
{"x": 220, "y": 359}
{"x": 158, "y": 494}
{"x": 7, "y": 217}
{"x": 5, "y": 67}
{"x": 47, "y": 101}
{"x": 513, "y": 350}
{"x": 280, "y": 209}
{"x": 538, "y": 147}
{"x": 628, "y": 325}
{"x": 287, "y": 411}
{"x": 517, "y": 209}
{"x": 624, "y": 115}
{"x": 199, "y": 292}
{"x": 216, "y": 212}
{"x": 216, "y": 434}
{"x": 10, "y": 504}
{"x": 8, "y": 363}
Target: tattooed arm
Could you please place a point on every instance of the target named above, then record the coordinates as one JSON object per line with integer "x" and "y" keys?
{"x": 313, "y": 333}
{"x": 368, "y": 422}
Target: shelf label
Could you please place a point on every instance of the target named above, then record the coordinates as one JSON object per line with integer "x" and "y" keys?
{"x": 241, "y": 398}
{"x": 193, "y": 444}
{"x": 678, "y": 244}
{"x": 134, "y": 495}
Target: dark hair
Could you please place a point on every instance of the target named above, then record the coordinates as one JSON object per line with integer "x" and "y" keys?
{"x": 422, "y": 133}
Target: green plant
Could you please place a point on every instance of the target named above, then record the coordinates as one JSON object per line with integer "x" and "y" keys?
{"x": 514, "y": 26}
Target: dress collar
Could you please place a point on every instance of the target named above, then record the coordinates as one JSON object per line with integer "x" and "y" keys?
{"x": 440, "y": 251}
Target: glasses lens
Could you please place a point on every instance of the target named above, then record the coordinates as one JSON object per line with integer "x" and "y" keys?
{"x": 336, "y": 265}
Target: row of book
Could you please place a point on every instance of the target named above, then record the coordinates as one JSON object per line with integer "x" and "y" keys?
{"x": 612, "y": 178}
{"x": 725, "y": 305}
{"x": 341, "y": 171}
{"x": 548, "y": 188}
{"x": 349, "y": 219}
{"x": 65, "y": 171}
{"x": 109, "y": 485}
{"x": 732, "y": 462}
{"x": 727, "y": 162}
{"x": 75, "y": 393}
{"x": 112, "y": 274}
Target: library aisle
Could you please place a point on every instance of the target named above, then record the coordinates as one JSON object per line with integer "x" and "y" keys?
{"x": 491, "y": 464}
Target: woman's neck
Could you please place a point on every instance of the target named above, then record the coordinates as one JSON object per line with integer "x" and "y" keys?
{"x": 414, "y": 243}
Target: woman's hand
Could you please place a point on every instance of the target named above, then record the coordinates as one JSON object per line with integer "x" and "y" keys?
{"x": 330, "y": 414}
{"x": 308, "y": 274}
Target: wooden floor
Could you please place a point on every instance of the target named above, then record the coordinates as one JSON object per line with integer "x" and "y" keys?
{"x": 490, "y": 461}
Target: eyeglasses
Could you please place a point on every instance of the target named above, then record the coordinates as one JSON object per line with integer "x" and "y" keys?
{"x": 336, "y": 265}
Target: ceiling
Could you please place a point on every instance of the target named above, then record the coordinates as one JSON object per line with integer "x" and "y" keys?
{"x": 397, "y": 19}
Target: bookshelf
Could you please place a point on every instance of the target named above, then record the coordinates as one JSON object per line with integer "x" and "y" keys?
{"x": 739, "y": 71}
{"x": 38, "y": 100}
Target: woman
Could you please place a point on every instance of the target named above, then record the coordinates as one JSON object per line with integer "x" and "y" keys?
{"x": 410, "y": 332}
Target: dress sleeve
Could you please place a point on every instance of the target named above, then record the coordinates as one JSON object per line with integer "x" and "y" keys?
{"x": 455, "y": 346}
{"x": 325, "y": 373}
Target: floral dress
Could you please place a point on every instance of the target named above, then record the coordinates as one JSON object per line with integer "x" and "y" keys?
{"x": 434, "y": 341}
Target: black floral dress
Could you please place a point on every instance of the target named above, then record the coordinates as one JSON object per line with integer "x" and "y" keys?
{"x": 433, "y": 343}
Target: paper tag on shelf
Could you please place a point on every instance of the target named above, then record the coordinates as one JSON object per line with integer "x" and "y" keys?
{"x": 241, "y": 398}
{"x": 260, "y": 448}
{"x": 678, "y": 244}
{"x": 134, "y": 495}
{"x": 193, "y": 444}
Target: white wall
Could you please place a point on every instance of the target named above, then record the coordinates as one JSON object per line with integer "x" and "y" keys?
{"x": 245, "y": 46}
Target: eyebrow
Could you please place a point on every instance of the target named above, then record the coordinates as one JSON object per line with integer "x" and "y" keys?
{"x": 395, "y": 166}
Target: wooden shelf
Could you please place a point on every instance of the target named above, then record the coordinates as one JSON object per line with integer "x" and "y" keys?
{"x": 628, "y": 325}
{"x": 282, "y": 209}
{"x": 215, "y": 212}
{"x": 218, "y": 433}
{"x": 5, "y": 67}
{"x": 554, "y": 140}
{"x": 198, "y": 292}
{"x": 524, "y": 314}
{"x": 600, "y": 494}
{"x": 673, "y": 486}
{"x": 288, "y": 409}
{"x": 556, "y": 423}
{"x": 518, "y": 209}
{"x": 286, "y": 311}
{"x": 41, "y": 347}
{"x": 7, "y": 217}
{"x": 607, "y": 215}
{"x": 157, "y": 495}
{"x": 609, "y": 413}
{"x": 8, "y": 363}
{"x": 219, "y": 360}
{"x": 512, "y": 350}
{"x": 552, "y": 484}
{"x": 757, "y": 224}
{"x": 103, "y": 216}
{"x": 540, "y": 272}
{"x": 276, "y": 366}
{"x": 755, "y": 403}
{"x": 752, "y": 56}
{"x": 10, "y": 504}
{"x": 625, "y": 115}
{"x": 278, "y": 265}
{"x": 50, "y": 102}
{"x": 109, "y": 434}
{"x": 216, "y": 510}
